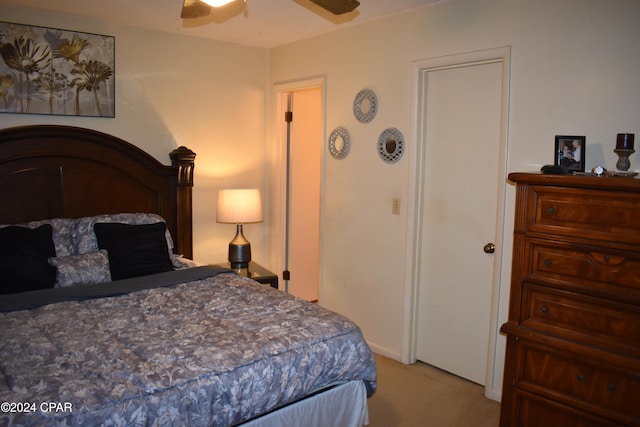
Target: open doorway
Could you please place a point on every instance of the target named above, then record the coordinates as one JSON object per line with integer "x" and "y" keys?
{"x": 302, "y": 130}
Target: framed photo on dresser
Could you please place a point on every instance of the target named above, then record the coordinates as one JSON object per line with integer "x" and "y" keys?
{"x": 570, "y": 152}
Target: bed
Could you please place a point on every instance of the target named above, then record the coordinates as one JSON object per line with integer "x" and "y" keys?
{"x": 118, "y": 327}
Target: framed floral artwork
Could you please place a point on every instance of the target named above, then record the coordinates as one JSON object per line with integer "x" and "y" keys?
{"x": 53, "y": 71}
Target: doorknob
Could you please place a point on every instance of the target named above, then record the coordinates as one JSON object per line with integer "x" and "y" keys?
{"x": 489, "y": 248}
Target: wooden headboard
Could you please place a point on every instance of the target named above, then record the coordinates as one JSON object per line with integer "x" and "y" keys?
{"x": 49, "y": 171}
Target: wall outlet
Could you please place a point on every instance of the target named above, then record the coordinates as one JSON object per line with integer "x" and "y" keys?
{"x": 395, "y": 206}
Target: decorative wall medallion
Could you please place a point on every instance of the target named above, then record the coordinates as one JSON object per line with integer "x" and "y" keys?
{"x": 339, "y": 143}
{"x": 391, "y": 145}
{"x": 365, "y": 105}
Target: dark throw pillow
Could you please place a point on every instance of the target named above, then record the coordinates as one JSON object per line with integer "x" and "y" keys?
{"x": 24, "y": 255}
{"x": 134, "y": 250}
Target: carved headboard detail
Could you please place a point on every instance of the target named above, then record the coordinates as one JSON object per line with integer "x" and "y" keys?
{"x": 52, "y": 171}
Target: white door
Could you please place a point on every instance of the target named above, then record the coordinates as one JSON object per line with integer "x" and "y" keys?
{"x": 305, "y": 182}
{"x": 461, "y": 124}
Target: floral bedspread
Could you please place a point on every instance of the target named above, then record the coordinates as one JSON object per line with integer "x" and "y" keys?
{"x": 211, "y": 352}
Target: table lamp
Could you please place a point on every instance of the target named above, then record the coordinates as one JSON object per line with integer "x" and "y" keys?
{"x": 239, "y": 206}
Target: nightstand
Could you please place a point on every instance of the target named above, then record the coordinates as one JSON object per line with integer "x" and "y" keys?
{"x": 256, "y": 272}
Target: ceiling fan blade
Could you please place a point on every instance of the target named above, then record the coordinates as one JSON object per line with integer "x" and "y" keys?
{"x": 337, "y": 7}
{"x": 194, "y": 9}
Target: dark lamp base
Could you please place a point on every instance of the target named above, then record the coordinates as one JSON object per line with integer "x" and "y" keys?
{"x": 239, "y": 250}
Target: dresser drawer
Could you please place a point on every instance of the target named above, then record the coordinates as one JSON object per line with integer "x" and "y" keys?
{"x": 533, "y": 412}
{"x": 585, "y": 213}
{"x": 585, "y": 385}
{"x": 601, "y": 323}
{"x": 587, "y": 267}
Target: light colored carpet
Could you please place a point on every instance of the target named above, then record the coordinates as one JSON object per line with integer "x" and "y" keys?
{"x": 420, "y": 395}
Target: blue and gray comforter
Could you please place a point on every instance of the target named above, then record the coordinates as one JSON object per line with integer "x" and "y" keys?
{"x": 215, "y": 351}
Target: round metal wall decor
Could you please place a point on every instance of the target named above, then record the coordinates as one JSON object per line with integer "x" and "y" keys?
{"x": 339, "y": 143}
{"x": 391, "y": 145}
{"x": 365, "y": 105}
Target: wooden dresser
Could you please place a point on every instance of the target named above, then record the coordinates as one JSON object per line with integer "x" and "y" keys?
{"x": 573, "y": 335}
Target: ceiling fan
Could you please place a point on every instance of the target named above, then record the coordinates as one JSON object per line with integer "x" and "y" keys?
{"x": 199, "y": 8}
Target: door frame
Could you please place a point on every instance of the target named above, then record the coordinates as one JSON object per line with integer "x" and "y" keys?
{"x": 420, "y": 69}
{"x": 279, "y": 178}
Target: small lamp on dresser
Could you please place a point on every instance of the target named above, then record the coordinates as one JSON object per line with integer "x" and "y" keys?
{"x": 239, "y": 206}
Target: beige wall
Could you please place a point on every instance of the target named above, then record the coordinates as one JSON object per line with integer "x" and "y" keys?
{"x": 176, "y": 90}
{"x": 574, "y": 68}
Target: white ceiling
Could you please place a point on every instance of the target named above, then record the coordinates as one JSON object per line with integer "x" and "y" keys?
{"x": 261, "y": 23}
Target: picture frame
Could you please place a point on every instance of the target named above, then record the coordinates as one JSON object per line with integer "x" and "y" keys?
{"x": 56, "y": 72}
{"x": 570, "y": 152}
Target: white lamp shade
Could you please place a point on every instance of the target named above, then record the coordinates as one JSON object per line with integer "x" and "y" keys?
{"x": 217, "y": 3}
{"x": 239, "y": 206}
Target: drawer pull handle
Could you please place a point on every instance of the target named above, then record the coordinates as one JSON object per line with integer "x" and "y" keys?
{"x": 613, "y": 263}
{"x": 547, "y": 262}
{"x": 551, "y": 211}
{"x": 612, "y": 387}
{"x": 580, "y": 377}
{"x": 544, "y": 309}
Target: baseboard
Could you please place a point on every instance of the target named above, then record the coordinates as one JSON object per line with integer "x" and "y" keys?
{"x": 385, "y": 352}
{"x": 493, "y": 394}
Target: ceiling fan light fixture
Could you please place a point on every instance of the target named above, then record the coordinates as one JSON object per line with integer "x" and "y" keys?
{"x": 217, "y": 3}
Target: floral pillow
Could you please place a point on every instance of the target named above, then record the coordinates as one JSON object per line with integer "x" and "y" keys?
{"x": 180, "y": 262}
{"x": 85, "y": 269}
